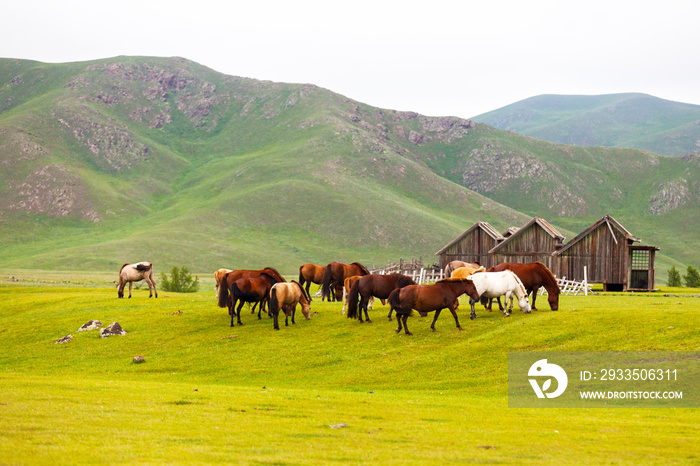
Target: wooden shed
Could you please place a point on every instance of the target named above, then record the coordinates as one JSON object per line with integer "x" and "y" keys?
{"x": 536, "y": 241}
{"x": 608, "y": 252}
{"x": 472, "y": 246}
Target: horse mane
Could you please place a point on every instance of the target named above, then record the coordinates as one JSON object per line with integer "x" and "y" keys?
{"x": 403, "y": 280}
{"x": 518, "y": 281}
{"x": 549, "y": 275}
{"x": 362, "y": 267}
{"x": 272, "y": 272}
{"x": 303, "y": 291}
{"x": 454, "y": 280}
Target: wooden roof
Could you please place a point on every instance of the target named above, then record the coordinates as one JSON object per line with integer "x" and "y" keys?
{"x": 485, "y": 226}
{"x": 544, "y": 224}
{"x": 612, "y": 224}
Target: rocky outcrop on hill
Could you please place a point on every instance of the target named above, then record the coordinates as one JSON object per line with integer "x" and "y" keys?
{"x": 669, "y": 197}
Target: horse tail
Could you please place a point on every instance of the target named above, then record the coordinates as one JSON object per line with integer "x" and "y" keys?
{"x": 223, "y": 291}
{"x": 274, "y": 301}
{"x": 394, "y": 299}
{"x": 301, "y": 275}
{"x": 353, "y": 297}
{"x": 326, "y": 283}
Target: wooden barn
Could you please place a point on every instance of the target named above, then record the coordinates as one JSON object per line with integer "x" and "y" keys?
{"x": 536, "y": 241}
{"x": 608, "y": 252}
{"x": 472, "y": 246}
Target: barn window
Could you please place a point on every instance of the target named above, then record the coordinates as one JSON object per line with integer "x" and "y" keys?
{"x": 640, "y": 260}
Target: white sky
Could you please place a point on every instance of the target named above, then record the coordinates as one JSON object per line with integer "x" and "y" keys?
{"x": 438, "y": 57}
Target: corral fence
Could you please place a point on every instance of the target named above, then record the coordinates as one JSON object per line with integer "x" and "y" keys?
{"x": 413, "y": 268}
{"x": 572, "y": 286}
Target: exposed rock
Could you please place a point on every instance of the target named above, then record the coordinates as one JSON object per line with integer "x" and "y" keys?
{"x": 338, "y": 426}
{"x": 90, "y": 325}
{"x": 669, "y": 197}
{"x": 65, "y": 339}
{"x": 138, "y": 359}
{"x": 112, "y": 329}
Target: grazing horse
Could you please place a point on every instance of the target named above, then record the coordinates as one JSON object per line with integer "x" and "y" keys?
{"x": 130, "y": 273}
{"x": 335, "y": 275}
{"x": 286, "y": 296}
{"x": 217, "y": 277}
{"x": 251, "y": 290}
{"x": 225, "y": 299}
{"x": 311, "y": 273}
{"x": 454, "y": 265}
{"x": 373, "y": 285}
{"x": 427, "y": 298}
{"x": 533, "y": 275}
{"x": 495, "y": 284}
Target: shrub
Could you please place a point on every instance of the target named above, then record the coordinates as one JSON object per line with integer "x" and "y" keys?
{"x": 180, "y": 280}
{"x": 691, "y": 277}
{"x": 674, "y": 277}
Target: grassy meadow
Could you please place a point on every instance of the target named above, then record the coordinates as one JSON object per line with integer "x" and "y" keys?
{"x": 323, "y": 391}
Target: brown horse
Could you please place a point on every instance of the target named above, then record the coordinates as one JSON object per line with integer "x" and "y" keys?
{"x": 454, "y": 265}
{"x": 217, "y": 278}
{"x": 428, "y": 298}
{"x": 311, "y": 273}
{"x": 379, "y": 286}
{"x": 225, "y": 299}
{"x": 286, "y": 296}
{"x": 251, "y": 290}
{"x": 130, "y": 273}
{"x": 347, "y": 285}
{"x": 533, "y": 275}
{"x": 335, "y": 275}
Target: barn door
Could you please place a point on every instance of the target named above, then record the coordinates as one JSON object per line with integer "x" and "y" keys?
{"x": 640, "y": 269}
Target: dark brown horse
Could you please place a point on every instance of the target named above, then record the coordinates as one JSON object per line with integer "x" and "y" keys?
{"x": 225, "y": 299}
{"x": 251, "y": 290}
{"x": 379, "y": 286}
{"x": 335, "y": 275}
{"x": 311, "y": 273}
{"x": 533, "y": 275}
{"x": 428, "y": 298}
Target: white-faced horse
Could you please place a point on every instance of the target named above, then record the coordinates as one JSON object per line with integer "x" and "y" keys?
{"x": 130, "y": 273}
{"x": 496, "y": 284}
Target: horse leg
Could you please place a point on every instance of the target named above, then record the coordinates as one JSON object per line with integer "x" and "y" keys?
{"x": 453, "y": 310}
{"x": 370, "y": 304}
{"x": 389, "y": 315}
{"x": 294, "y": 311}
{"x": 130, "y": 283}
{"x": 405, "y": 323}
{"x": 238, "y": 312}
{"x": 473, "y": 314}
{"x": 275, "y": 315}
{"x": 437, "y": 314}
{"x": 534, "y": 296}
{"x": 508, "y": 297}
{"x": 490, "y": 306}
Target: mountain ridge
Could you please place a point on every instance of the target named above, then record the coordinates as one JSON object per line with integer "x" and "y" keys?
{"x": 119, "y": 159}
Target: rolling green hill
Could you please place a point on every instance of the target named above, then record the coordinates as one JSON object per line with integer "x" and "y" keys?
{"x": 638, "y": 121}
{"x": 136, "y": 158}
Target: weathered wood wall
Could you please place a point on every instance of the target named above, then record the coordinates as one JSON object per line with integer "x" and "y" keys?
{"x": 604, "y": 255}
{"x": 529, "y": 245}
{"x": 474, "y": 247}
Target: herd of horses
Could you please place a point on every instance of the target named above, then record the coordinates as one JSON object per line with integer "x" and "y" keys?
{"x": 267, "y": 288}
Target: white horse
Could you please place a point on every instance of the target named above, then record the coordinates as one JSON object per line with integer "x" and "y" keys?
{"x": 130, "y": 273}
{"x": 496, "y": 284}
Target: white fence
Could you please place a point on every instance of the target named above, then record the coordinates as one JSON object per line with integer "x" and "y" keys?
{"x": 572, "y": 286}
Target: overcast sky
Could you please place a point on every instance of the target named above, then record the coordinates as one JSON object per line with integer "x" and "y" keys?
{"x": 435, "y": 57}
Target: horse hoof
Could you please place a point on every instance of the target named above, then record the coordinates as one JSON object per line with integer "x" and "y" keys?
{"x": 433, "y": 328}
{"x": 397, "y": 331}
{"x": 460, "y": 328}
{"x": 369, "y": 320}
{"x": 409, "y": 333}
{"x": 472, "y": 317}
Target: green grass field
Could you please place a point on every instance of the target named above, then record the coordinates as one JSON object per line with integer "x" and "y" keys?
{"x": 208, "y": 393}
